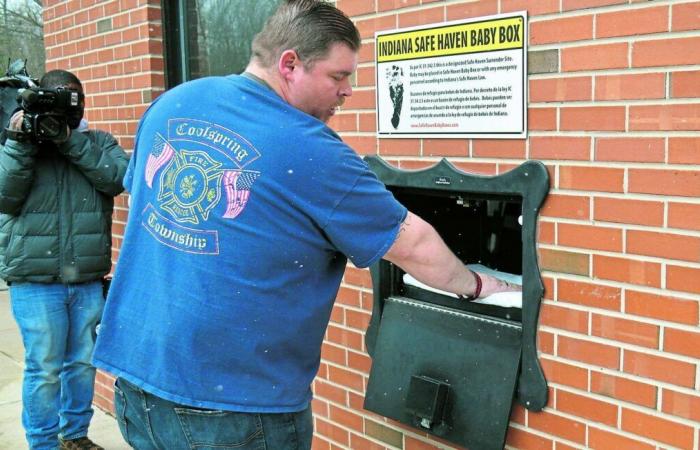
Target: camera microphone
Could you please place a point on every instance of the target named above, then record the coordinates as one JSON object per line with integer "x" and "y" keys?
{"x": 27, "y": 96}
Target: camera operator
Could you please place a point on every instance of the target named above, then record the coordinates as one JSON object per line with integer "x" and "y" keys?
{"x": 56, "y": 201}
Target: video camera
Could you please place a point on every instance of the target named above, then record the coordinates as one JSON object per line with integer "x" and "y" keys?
{"x": 46, "y": 111}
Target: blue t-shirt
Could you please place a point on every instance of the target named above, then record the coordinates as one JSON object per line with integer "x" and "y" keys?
{"x": 243, "y": 213}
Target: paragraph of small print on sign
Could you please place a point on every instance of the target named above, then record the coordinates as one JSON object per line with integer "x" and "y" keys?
{"x": 463, "y": 79}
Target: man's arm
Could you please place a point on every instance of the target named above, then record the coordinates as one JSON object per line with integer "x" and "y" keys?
{"x": 102, "y": 160}
{"x": 17, "y": 161}
{"x": 420, "y": 251}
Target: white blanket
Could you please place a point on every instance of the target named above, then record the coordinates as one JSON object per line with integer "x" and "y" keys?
{"x": 503, "y": 299}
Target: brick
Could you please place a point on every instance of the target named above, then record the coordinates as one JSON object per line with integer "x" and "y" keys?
{"x": 363, "y": 145}
{"x": 587, "y": 408}
{"x": 684, "y": 215}
{"x": 560, "y": 148}
{"x": 360, "y": 443}
{"x": 567, "y": 206}
{"x": 628, "y": 211}
{"x": 630, "y": 22}
{"x": 334, "y": 354}
{"x": 682, "y": 342}
{"x": 685, "y": 279}
{"x": 359, "y": 361}
{"x": 665, "y": 117}
{"x": 684, "y": 183}
{"x": 662, "y": 307}
{"x": 591, "y": 178}
{"x": 533, "y": 8}
{"x": 383, "y": 433}
{"x": 569, "y": 89}
{"x": 499, "y": 148}
{"x": 346, "y": 338}
{"x": 541, "y": 119}
{"x": 422, "y": 17}
{"x": 565, "y": 374}
{"x": 607, "y": 440}
{"x": 319, "y": 407}
{"x": 356, "y": 7}
{"x": 367, "y": 27}
{"x": 593, "y": 237}
{"x": 684, "y": 150}
{"x": 587, "y": 352}
{"x": 564, "y": 318}
{"x": 368, "y": 122}
{"x": 361, "y": 99}
{"x": 346, "y": 378}
{"x": 522, "y": 439}
{"x": 387, "y": 5}
{"x": 681, "y": 405}
{"x": 563, "y": 261}
{"x": 365, "y": 77}
{"x": 624, "y": 330}
{"x": 545, "y": 342}
{"x": 592, "y": 118}
{"x": 659, "y": 368}
{"x": 685, "y": 84}
{"x": 357, "y": 319}
{"x": 399, "y": 147}
{"x": 411, "y": 443}
{"x": 657, "y": 428}
{"x": 319, "y": 443}
{"x": 589, "y": 294}
{"x": 346, "y": 418}
{"x": 555, "y": 425}
{"x": 570, "y": 5}
{"x": 666, "y": 52}
{"x": 343, "y": 122}
{"x": 545, "y": 233}
{"x": 625, "y": 270}
{"x": 663, "y": 245}
{"x": 445, "y": 147}
{"x": 330, "y": 392}
{"x": 471, "y": 9}
{"x": 624, "y": 389}
{"x": 347, "y": 296}
{"x": 685, "y": 17}
{"x": 595, "y": 57}
{"x": 567, "y": 29}
{"x": 630, "y": 149}
{"x": 332, "y": 432}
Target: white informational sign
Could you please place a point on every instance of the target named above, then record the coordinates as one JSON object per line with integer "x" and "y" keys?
{"x": 465, "y": 79}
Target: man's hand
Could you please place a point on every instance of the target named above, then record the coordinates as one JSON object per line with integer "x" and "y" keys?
{"x": 491, "y": 285}
{"x": 16, "y": 121}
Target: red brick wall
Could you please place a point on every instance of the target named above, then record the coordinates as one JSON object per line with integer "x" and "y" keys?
{"x": 614, "y": 113}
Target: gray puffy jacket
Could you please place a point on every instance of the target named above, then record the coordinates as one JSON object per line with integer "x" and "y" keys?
{"x": 56, "y": 204}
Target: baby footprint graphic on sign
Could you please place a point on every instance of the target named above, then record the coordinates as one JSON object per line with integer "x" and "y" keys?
{"x": 394, "y": 75}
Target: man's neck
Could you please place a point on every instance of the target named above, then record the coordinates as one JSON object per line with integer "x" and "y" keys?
{"x": 266, "y": 76}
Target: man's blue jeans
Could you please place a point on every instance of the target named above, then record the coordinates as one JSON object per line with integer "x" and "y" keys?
{"x": 57, "y": 323}
{"x": 148, "y": 422}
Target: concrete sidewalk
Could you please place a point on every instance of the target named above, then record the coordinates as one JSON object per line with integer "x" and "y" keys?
{"x": 103, "y": 429}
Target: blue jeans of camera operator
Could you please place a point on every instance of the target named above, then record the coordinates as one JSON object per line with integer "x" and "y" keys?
{"x": 57, "y": 323}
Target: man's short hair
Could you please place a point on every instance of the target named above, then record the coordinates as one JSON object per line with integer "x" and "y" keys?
{"x": 56, "y": 78}
{"x": 309, "y": 27}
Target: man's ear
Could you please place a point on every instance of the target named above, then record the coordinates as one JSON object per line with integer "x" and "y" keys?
{"x": 288, "y": 62}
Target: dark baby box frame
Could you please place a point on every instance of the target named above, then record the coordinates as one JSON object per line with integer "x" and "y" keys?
{"x": 449, "y": 367}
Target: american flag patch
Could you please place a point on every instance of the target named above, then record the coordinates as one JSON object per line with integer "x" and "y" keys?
{"x": 237, "y": 184}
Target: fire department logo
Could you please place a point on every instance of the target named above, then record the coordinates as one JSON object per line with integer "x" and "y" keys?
{"x": 190, "y": 186}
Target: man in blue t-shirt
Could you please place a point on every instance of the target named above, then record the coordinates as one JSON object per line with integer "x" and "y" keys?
{"x": 244, "y": 210}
